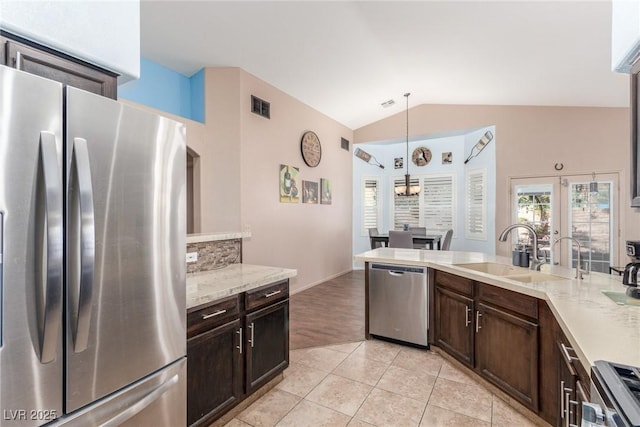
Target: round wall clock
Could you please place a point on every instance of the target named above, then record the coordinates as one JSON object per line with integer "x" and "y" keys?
{"x": 311, "y": 149}
{"x": 421, "y": 156}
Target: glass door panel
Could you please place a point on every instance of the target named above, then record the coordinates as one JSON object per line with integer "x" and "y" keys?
{"x": 579, "y": 206}
{"x": 591, "y": 223}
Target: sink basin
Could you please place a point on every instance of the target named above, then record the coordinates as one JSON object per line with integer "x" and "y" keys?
{"x": 493, "y": 268}
{"x": 535, "y": 276}
{"x": 510, "y": 272}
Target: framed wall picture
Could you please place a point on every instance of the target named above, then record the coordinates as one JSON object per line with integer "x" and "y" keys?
{"x": 310, "y": 192}
{"x": 325, "y": 191}
{"x": 288, "y": 183}
{"x": 447, "y": 158}
{"x": 398, "y": 163}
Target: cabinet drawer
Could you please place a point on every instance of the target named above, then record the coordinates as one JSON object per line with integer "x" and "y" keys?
{"x": 455, "y": 283}
{"x": 211, "y": 315}
{"x": 514, "y": 301}
{"x": 268, "y": 294}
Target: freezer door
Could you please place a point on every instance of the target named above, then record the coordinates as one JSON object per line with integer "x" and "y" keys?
{"x": 158, "y": 400}
{"x": 126, "y": 245}
{"x": 31, "y": 234}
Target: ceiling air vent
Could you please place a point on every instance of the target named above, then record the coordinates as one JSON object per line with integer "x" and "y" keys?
{"x": 260, "y": 107}
{"x": 387, "y": 104}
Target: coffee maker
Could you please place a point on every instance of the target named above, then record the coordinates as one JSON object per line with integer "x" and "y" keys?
{"x": 632, "y": 270}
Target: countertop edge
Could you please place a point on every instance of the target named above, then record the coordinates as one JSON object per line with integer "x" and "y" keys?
{"x": 208, "y": 286}
{"x": 211, "y": 237}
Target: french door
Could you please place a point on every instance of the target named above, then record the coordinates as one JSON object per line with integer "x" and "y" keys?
{"x": 583, "y": 207}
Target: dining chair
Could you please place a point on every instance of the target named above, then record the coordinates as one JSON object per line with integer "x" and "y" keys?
{"x": 418, "y": 231}
{"x": 446, "y": 240}
{"x": 400, "y": 239}
{"x": 374, "y": 232}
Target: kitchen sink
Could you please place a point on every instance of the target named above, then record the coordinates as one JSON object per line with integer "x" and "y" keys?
{"x": 493, "y": 268}
{"x": 510, "y": 272}
{"x": 534, "y": 276}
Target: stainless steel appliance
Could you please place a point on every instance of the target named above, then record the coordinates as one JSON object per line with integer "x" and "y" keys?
{"x": 615, "y": 396}
{"x": 632, "y": 269}
{"x": 398, "y": 303}
{"x": 92, "y": 213}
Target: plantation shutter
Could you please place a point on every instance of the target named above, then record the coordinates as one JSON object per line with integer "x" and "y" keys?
{"x": 370, "y": 204}
{"x": 438, "y": 196}
{"x": 476, "y": 221}
{"x": 406, "y": 209}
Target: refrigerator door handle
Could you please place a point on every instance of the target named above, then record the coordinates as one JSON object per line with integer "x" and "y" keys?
{"x": 50, "y": 258}
{"x": 148, "y": 399}
{"x": 82, "y": 241}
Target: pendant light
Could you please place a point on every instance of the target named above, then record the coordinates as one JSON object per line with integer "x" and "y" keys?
{"x": 407, "y": 189}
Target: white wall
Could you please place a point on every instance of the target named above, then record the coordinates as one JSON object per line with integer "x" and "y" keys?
{"x": 460, "y": 146}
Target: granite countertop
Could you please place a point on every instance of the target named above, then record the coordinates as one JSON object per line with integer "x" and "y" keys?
{"x": 597, "y": 327}
{"x": 210, "y": 237}
{"x": 207, "y": 286}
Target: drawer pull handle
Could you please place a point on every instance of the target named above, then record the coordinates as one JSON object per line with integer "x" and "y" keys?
{"x": 565, "y": 352}
{"x": 270, "y": 294}
{"x": 251, "y": 339}
{"x": 217, "y": 313}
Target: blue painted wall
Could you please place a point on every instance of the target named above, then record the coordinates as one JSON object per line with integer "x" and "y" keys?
{"x": 164, "y": 89}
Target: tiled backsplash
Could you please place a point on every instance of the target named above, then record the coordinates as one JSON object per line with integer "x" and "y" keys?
{"x": 214, "y": 254}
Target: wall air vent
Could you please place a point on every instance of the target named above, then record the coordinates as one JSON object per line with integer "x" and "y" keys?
{"x": 344, "y": 143}
{"x": 260, "y": 107}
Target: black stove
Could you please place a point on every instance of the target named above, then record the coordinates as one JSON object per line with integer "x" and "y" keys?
{"x": 615, "y": 391}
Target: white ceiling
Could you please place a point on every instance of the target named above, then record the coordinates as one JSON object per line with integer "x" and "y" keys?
{"x": 344, "y": 58}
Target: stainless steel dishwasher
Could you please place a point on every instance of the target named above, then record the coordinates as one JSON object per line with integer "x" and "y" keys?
{"x": 399, "y": 302}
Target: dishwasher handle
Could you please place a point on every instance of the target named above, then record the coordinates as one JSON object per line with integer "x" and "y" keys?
{"x": 398, "y": 269}
{"x": 396, "y": 273}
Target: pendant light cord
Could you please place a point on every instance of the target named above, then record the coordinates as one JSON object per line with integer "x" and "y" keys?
{"x": 406, "y": 95}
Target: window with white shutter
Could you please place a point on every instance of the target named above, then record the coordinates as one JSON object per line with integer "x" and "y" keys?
{"x": 371, "y": 204}
{"x": 438, "y": 203}
{"x": 476, "y": 214}
{"x": 406, "y": 209}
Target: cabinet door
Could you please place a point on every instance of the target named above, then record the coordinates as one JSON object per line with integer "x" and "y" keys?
{"x": 46, "y": 63}
{"x": 214, "y": 372}
{"x": 454, "y": 324}
{"x": 507, "y": 353}
{"x": 267, "y": 341}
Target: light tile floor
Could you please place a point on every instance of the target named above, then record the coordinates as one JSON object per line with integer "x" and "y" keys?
{"x": 376, "y": 383}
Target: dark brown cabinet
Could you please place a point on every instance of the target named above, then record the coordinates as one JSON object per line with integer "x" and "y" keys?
{"x": 35, "y": 59}
{"x": 507, "y": 352}
{"x": 214, "y": 360}
{"x": 492, "y": 330}
{"x": 234, "y": 347}
{"x": 267, "y": 344}
{"x": 454, "y": 330}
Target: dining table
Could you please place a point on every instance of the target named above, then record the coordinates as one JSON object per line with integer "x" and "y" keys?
{"x": 418, "y": 239}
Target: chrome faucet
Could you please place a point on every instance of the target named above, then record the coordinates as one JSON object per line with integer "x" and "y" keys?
{"x": 578, "y": 271}
{"x": 536, "y": 263}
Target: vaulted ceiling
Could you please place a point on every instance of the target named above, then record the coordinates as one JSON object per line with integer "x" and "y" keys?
{"x": 345, "y": 58}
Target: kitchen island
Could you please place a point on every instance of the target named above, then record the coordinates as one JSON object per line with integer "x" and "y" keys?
{"x": 513, "y": 326}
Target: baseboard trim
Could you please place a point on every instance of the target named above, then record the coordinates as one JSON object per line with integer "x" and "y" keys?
{"x": 311, "y": 285}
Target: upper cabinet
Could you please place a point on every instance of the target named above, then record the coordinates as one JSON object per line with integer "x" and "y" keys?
{"x": 625, "y": 34}
{"x": 106, "y": 34}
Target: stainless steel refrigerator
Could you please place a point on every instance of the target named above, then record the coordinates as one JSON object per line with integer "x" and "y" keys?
{"x": 92, "y": 264}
